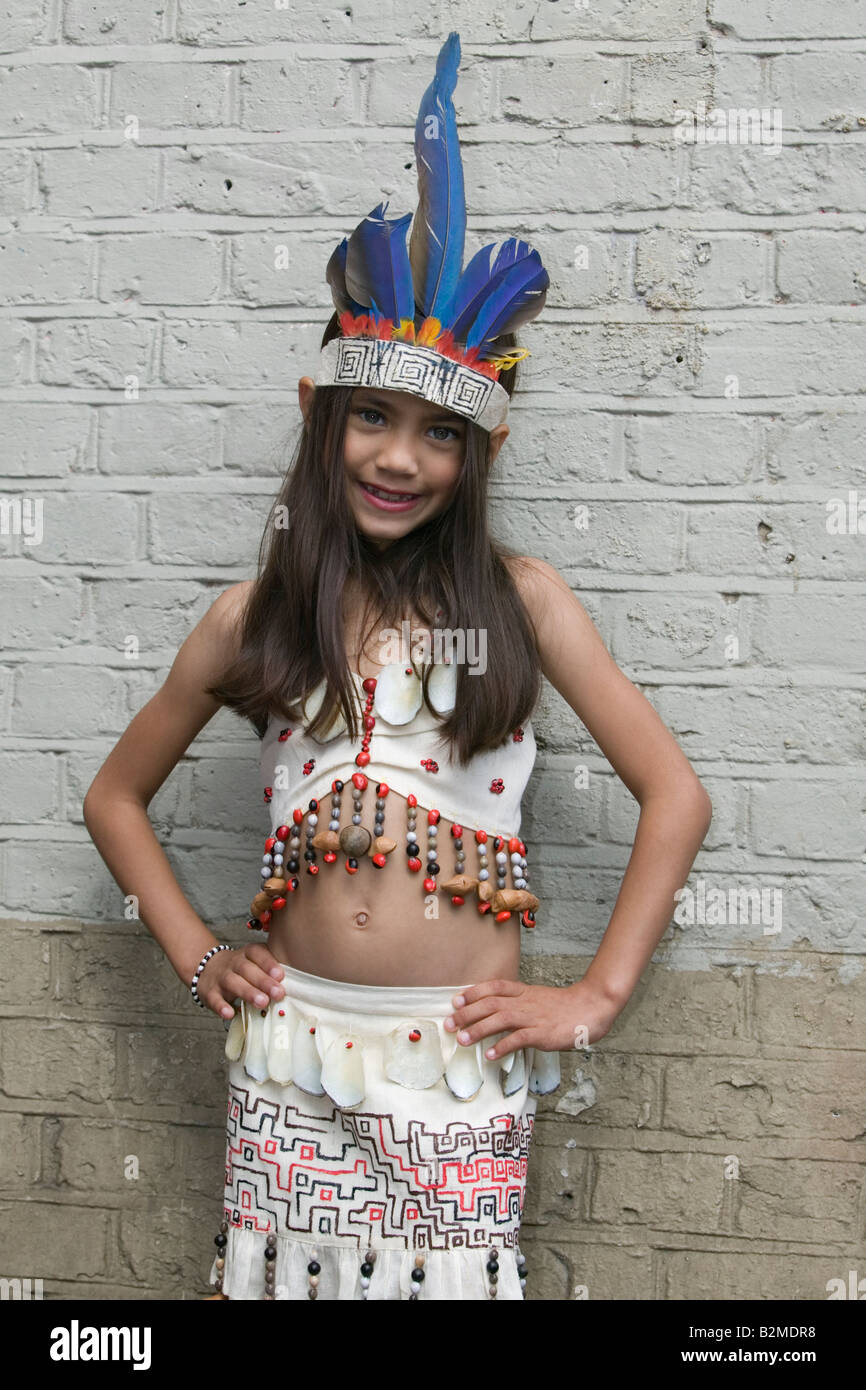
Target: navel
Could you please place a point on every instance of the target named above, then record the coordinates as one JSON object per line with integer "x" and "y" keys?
{"x": 360, "y": 919}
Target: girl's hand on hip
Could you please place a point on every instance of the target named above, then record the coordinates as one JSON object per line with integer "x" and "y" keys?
{"x": 250, "y": 973}
{"x": 549, "y": 1018}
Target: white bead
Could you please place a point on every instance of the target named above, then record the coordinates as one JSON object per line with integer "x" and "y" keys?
{"x": 266, "y": 872}
{"x": 515, "y": 858}
{"x": 312, "y": 819}
{"x": 483, "y": 874}
{"x": 365, "y": 1281}
{"x": 502, "y": 857}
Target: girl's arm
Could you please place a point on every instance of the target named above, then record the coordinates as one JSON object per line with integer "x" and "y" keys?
{"x": 675, "y": 814}
{"x": 115, "y": 807}
{"x": 675, "y": 809}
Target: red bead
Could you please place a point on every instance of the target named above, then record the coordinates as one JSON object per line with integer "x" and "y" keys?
{"x": 351, "y": 868}
{"x": 514, "y": 845}
{"x": 269, "y": 843}
{"x": 312, "y": 868}
{"x": 286, "y": 733}
{"x": 429, "y": 885}
{"x": 348, "y": 1044}
{"x": 411, "y": 799}
{"x": 521, "y": 846}
{"x": 382, "y": 789}
{"x": 414, "y": 1036}
{"x": 297, "y": 816}
{"x": 292, "y": 885}
{"x": 432, "y": 817}
{"x": 481, "y": 837}
{"x": 362, "y": 759}
{"x": 414, "y": 865}
{"x": 369, "y": 685}
{"x": 459, "y": 901}
{"x": 329, "y": 856}
{"x": 313, "y": 1029}
{"x": 484, "y": 908}
{"x": 380, "y": 860}
{"x": 527, "y": 919}
{"x": 277, "y": 903}
{"x": 282, "y": 832}
{"x": 457, "y": 831}
{"x": 503, "y": 916}
{"x": 264, "y": 917}
{"x": 369, "y": 721}
{"x": 359, "y": 780}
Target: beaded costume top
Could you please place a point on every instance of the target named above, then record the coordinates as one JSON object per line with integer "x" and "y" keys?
{"x": 333, "y": 791}
{"x": 406, "y": 751}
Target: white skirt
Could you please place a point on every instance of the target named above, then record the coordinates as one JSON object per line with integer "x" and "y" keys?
{"x": 370, "y": 1155}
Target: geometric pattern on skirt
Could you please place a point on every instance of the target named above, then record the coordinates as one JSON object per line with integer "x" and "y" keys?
{"x": 363, "y": 1193}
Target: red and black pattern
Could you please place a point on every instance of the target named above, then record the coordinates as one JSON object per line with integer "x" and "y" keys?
{"x": 348, "y": 1176}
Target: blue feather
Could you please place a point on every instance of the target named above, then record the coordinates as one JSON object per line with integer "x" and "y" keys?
{"x": 436, "y": 244}
{"x": 378, "y": 272}
{"x": 479, "y": 280}
{"x": 335, "y": 274}
{"x": 519, "y": 296}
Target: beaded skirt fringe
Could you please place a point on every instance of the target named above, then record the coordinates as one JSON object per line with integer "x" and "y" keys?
{"x": 447, "y": 1274}
{"x": 395, "y": 1174}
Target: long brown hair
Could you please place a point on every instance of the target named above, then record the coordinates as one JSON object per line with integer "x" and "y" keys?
{"x": 292, "y": 629}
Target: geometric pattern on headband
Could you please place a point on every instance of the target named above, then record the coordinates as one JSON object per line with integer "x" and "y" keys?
{"x": 394, "y": 365}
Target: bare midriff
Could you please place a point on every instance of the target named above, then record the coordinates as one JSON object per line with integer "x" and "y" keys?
{"x": 374, "y": 926}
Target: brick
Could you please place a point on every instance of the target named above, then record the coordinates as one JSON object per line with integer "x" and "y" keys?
{"x": 46, "y": 440}
{"x": 679, "y": 1191}
{"x": 46, "y": 97}
{"x": 19, "y": 1153}
{"x": 74, "y": 1062}
{"x": 40, "y": 611}
{"x": 835, "y": 826}
{"x": 821, "y": 267}
{"x": 826, "y": 444}
{"x": 761, "y": 19}
{"x": 49, "y": 1236}
{"x": 88, "y": 23}
{"x": 43, "y": 269}
{"x": 157, "y": 439}
{"x": 15, "y": 180}
{"x": 166, "y": 95}
{"x": 154, "y": 268}
{"x": 22, "y": 25}
{"x": 310, "y": 93}
{"x": 756, "y": 1098}
{"x": 178, "y": 1067}
{"x": 217, "y": 22}
{"x": 98, "y": 182}
{"x": 695, "y": 270}
{"x": 95, "y": 1156}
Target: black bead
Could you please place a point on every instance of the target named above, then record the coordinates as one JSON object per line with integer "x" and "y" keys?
{"x": 309, "y": 854}
{"x": 220, "y": 1240}
{"x": 493, "y": 1265}
{"x": 413, "y": 850}
{"x": 338, "y": 786}
{"x": 313, "y": 1267}
{"x": 433, "y": 867}
{"x": 314, "y": 805}
{"x": 366, "y": 1269}
{"x": 353, "y": 863}
{"x": 417, "y": 1275}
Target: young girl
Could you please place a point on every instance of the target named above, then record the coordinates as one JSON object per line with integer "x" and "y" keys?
{"x": 384, "y": 1056}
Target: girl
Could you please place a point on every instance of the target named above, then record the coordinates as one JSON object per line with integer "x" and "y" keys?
{"x": 384, "y": 1056}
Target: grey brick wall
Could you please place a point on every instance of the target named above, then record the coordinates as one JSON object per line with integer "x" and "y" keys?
{"x": 172, "y": 179}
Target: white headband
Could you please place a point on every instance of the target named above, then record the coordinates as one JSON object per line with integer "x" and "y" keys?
{"x": 395, "y": 365}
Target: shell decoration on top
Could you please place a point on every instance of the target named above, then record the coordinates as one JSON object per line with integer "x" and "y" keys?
{"x": 283, "y": 1045}
{"x": 399, "y": 696}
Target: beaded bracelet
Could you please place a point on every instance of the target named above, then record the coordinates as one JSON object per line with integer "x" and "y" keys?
{"x": 201, "y": 965}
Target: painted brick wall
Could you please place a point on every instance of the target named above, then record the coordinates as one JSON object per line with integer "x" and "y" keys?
{"x": 172, "y": 179}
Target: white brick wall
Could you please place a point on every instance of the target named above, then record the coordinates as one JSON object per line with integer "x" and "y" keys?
{"x": 696, "y": 382}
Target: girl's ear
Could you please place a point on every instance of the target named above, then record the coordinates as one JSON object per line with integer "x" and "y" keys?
{"x": 495, "y": 441}
{"x": 306, "y": 391}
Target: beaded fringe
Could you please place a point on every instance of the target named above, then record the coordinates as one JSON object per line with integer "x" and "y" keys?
{"x": 252, "y": 1265}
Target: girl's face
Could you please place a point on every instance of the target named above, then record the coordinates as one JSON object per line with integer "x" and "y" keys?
{"x": 402, "y": 457}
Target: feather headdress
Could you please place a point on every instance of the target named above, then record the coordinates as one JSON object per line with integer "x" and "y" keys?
{"x": 412, "y": 318}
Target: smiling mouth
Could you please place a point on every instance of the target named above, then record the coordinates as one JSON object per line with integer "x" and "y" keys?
{"x": 388, "y": 496}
